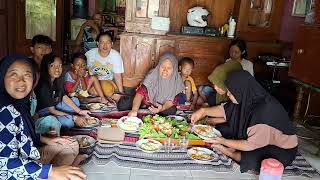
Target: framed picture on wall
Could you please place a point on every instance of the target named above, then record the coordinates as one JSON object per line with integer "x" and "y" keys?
{"x": 301, "y": 7}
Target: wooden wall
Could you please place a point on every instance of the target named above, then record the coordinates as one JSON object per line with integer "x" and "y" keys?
{"x": 3, "y": 30}
{"x": 7, "y": 30}
{"x": 219, "y": 12}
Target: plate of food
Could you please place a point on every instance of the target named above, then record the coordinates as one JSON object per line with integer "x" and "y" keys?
{"x": 178, "y": 118}
{"x": 129, "y": 124}
{"x": 201, "y": 154}
{"x": 92, "y": 122}
{"x": 148, "y": 145}
{"x": 205, "y": 131}
{"x": 99, "y": 107}
{"x": 85, "y": 141}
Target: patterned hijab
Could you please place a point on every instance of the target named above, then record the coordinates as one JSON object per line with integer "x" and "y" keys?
{"x": 161, "y": 90}
{"x": 220, "y": 74}
{"x": 21, "y": 105}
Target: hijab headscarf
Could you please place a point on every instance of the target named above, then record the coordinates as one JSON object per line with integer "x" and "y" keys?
{"x": 21, "y": 105}
{"x": 161, "y": 90}
{"x": 220, "y": 74}
{"x": 256, "y": 106}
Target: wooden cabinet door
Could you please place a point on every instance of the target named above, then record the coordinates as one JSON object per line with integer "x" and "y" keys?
{"x": 139, "y": 14}
{"x": 138, "y": 57}
{"x": 3, "y": 30}
{"x": 259, "y": 20}
{"x": 305, "y": 62}
{"x": 23, "y": 43}
{"x": 163, "y": 46}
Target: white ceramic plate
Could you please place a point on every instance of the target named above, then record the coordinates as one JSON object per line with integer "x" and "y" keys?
{"x": 148, "y": 145}
{"x": 129, "y": 124}
{"x": 91, "y": 125}
{"x": 81, "y": 138}
{"x": 99, "y": 107}
{"x": 178, "y": 118}
{"x": 210, "y": 133}
{"x": 201, "y": 154}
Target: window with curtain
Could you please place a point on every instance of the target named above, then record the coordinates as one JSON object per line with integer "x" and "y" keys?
{"x": 41, "y": 18}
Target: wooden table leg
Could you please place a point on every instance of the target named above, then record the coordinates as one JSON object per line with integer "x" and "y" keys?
{"x": 297, "y": 107}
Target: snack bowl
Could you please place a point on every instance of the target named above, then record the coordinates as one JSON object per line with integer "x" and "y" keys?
{"x": 86, "y": 143}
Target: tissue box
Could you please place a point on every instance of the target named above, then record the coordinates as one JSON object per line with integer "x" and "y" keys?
{"x": 160, "y": 23}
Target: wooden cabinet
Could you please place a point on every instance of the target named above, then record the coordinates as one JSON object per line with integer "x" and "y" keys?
{"x": 139, "y": 14}
{"x": 259, "y": 20}
{"x": 207, "y": 53}
{"x": 304, "y": 63}
{"x": 41, "y": 23}
{"x": 141, "y": 52}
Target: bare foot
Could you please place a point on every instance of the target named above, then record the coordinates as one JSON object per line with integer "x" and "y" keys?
{"x": 230, "y": 152}
{"x": 79, "y": 158}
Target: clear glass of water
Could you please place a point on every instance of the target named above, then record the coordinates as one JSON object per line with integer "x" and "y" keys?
{"x": 183, "y": 142}
{"x": 168, "y": 145}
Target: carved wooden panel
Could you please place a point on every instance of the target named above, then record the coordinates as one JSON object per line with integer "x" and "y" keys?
{"x": 163, "y": 46}
{"x": 137, "y": 53}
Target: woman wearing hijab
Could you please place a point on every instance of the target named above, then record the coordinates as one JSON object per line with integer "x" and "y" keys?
{"x": 160, "y": 88}
{"x": 255, "y": 126}
{"x": 217, "y": 78}
{"x": 19, "y": 155}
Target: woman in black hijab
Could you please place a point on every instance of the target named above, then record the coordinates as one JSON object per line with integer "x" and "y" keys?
{"x": 19, "y": 154}
{"x": 255, "y": 125}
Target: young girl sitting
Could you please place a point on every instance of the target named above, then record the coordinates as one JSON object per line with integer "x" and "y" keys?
{"x": 19, "y": 157}
{"x": 51, "y": 95}
{"x": 79, "y": 81}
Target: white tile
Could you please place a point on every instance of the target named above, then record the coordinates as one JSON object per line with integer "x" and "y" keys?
{"x": 110, "y": 171}
{"x": 144, "y": 174}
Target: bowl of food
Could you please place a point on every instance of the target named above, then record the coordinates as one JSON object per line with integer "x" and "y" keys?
{"x": 86, "y": 144}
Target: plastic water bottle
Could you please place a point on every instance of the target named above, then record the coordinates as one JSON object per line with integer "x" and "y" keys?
{"x": 232, "y": 28}
{"x": 271, "y": 169}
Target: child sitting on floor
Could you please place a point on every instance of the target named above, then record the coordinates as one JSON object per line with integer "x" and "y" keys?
{"x": 79, "y": 81}
{"x": 190, "y": 96}
{"x": 51, "y": 95}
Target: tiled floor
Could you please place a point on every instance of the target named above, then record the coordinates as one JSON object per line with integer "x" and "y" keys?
{"x": 112, "y": 171}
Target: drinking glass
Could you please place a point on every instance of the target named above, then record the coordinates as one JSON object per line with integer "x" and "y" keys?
{"x": 183, "y": 142}
{"x": 168, "y": 145}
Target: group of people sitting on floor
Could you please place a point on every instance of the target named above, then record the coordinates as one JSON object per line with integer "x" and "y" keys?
{"x": 38, "y": 99}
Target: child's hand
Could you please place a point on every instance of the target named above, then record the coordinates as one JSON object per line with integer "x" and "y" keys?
{"x": 80, "y": 121}
{"x": 157, "y": 109}
{"x": 81, "y": 73}
{"x": 85, "y": 113}
{"x": 133, "y": 114}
